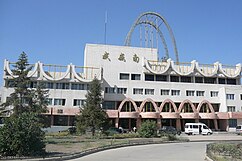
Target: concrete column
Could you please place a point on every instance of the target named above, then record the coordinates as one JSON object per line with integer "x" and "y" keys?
{"x": 159, "y": 123}
{"x": 138, "y": 123}
{"x": 178, "y": 124}
{"x": 68, "y": 120}
{"x": 216, "y": 124}
{"x": 52, "y": 120}
{"x": 116, "y": 122}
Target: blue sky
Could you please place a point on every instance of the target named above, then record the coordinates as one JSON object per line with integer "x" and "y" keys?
{"x": 56, "y": 31}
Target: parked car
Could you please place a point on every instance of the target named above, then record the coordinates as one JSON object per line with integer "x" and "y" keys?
{"x": 197, "y": 128}
{"x": 169, "y": 130}
{"x": 239, "y": 129}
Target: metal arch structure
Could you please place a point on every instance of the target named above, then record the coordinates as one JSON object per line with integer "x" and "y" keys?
{"x": 149, "y": 18}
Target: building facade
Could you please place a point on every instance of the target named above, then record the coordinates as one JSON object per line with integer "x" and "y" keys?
{"x": 137, "y": 86}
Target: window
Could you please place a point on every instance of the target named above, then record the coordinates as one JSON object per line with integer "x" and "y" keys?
{"x": 76, "y": 86}
{"x": 62, "y": 86}
{"x": 190, "y": 93}
{"x": 161, "y": 78}
{"x": 200, "y": 93}
{"x": 231, "y": 81}
{"x": 49, "y": 85}
{"x": 174, "y": 79}
{"x": 110, "y": 90}
{"x": 49, "y": 101}
{"x": 138, "y": 91}
{"x": 78, "y": 102}
{"x": 230, "y": 96}
{"x": 175, "y": 92}
{"x": 186, "y": 79}
{"x": 109, "y": 105}
{"x": 221, "y": 81}
{"x": 149, "y": 91}
{"x": 164, "y": 91}
{"x": 149, "y": 77}
{"x": 240, "y": 96}
{"x": 209, "y": 80}
{"x": 60, "y": 102}
{"x": 214, "y": 93}
{"x": 198, "y": 79}
{"x": 232, "y": 122}
{"x": 122, "y": 90}
{"x": 32, "y": 84}
{"x": 135, "y": 76}
{"x": 230, "y": 108}
{"x": 124, "y": 76}
{"x": 10, "y": 83}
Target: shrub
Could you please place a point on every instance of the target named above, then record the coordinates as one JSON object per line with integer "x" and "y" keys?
{"x": 22, "y": 136}
{"x": 147, "y": 129}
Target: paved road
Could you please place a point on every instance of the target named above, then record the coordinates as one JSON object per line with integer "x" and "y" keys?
{"x": 157, "y": 152}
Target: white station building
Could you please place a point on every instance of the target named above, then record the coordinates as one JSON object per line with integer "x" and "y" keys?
{"x": 138, "y": 86}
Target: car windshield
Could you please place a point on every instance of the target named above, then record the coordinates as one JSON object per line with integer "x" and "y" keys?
{"x": 238, "y": 127}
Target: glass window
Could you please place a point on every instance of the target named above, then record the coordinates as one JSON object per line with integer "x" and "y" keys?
{"x": 190, "y": 93}
{"x": 200, "y": 93}
{"x": 49, "y": 101}
{"x": 198, "y": 79}
{"x": 149, "y": 91}
{"x": 121, "y": 90}
{"x": 149, "y": 77}
{"x": 230, "y": 96}
{"x": 175, "y": 92}
{"x": 209, "y": 80}
{"x": 231, "y": 81}
{"x": 221, "y": 81}
{"x": 60, "y": 102}
{"x": 138, "y": 91}
{"x": 33, "y": 84}
{"x": 110, "y": 90}
{"x": 240, "y": 96}
{"x": 109, "y": 105}
{"x": 230, "y": 108}
{"x": 124, "y": 76}
{"x": 62, "y": 86}
{"x": 135, "y": 76}
{"x": 49, "y": 85}
{"x": 164, "y": 91}
{"x": 78, "y": 102}
{"x": 232, "y": 122}
{"x": 186, "y": 79}
{"x": 214, "y": 93}
{"x": 174, "y": 79}
{"x": 161, "y": 78}
{"x": 77, "y": 86}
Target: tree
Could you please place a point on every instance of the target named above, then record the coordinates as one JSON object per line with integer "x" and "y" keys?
{"x": 92, "y": 115}
{"x": 147, "y": 129}
{"x": 21, "y": 134}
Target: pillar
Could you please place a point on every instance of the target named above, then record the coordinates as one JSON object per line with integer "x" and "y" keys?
{"x": 116, "y": 122}
{"x": 178, "y": 124}
{"x": 138, "y": 123}
{"x": 159, "y": 123}
{"x": 216, "y": 124}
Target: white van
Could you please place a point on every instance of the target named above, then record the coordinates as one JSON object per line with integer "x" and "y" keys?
{"x": 239, "y": 129}
{"x": 197, "y": 128}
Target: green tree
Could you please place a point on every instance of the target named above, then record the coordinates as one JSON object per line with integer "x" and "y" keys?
{"x": 147, "y": 129}
{"x": 21, "y": 134}
{"x": 92, "y": 115}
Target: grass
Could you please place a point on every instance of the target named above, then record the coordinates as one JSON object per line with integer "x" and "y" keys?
{"x": 65, "y": 143}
